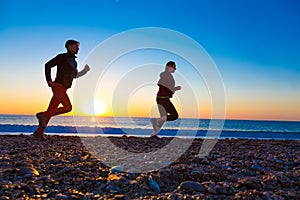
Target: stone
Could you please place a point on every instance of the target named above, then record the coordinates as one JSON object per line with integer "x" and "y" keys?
{"x": 116, "y": 169}
{"x": 28, "y": 171}
{"x": 153, "y": 185}
{"x": 191, "y": 186}
{"x": 256, "y": 167}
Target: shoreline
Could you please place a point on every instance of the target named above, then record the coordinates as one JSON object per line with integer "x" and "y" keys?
{"x": 147, "y": 136}
{"x": 63, "y": 167}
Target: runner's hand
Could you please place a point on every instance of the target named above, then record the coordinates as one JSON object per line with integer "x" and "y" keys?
{"x": 177, "y": 88}
{"x": 87, "y": 68}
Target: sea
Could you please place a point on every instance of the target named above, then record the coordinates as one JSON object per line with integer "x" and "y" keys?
{"x": 141, "y": 127}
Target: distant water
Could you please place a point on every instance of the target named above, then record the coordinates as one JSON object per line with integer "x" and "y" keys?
{"x": 64, "y": 125}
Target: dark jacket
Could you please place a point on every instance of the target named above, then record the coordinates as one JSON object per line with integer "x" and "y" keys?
{"x": 66, "y": 69}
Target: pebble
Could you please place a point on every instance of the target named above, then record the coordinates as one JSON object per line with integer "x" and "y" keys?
{"x": 61, "y": 196}
{"x": 63, "y": 168}
{"x": 116, "y": 169}
{"x": 153, "y": 185}
{"x": 113, "y": 189}
{"x": 191, "y": 186}
{"x": 197, "y": 172}
{"x": 28, "y": 171}
{"x": 256, "y": 167}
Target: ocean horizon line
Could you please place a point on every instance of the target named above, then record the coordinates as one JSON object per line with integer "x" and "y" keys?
{"x": 144, "y": 117}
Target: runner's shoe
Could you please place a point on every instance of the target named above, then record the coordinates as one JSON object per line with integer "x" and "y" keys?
{"x": 39, "y": 136}
{"x": 42, "y": 119}
{"x": 154, "y": 136}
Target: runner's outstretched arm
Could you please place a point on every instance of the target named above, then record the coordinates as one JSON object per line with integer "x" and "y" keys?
{"x": 83, "y": 72}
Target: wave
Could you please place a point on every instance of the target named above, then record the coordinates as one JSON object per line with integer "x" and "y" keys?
{"x": 8, "y": 128}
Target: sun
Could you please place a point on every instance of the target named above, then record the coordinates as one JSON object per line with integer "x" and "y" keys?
{"x": 95, "y": 107}
{"x": 99, "y": 108}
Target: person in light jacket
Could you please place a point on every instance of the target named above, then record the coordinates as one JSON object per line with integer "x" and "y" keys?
{"x": 166, "y": 90}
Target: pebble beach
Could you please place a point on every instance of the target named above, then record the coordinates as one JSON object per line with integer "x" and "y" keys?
{"x": 61, "y": 167}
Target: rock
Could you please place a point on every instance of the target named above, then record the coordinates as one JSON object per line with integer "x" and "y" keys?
{"x": 28, "y": 171}
{"x": 52, "y": 193}
{"x": 153, "y": 185}
{"x": 75, "y": 158}
{"x": 197, "y": 172}
{"x": 270, "y": 158}
{"x": 221, "y": 189}
{"x": 113, "y": 189}
{"x": 226, "y": 167}
{"x": 61, "y": 196}
{"x": 279, "y": 161}
{"x": 216, "y": 156}
{"x": 116, "y": 169}
{"x": 120, "y": 196}
{"x": 297, "y": 162}
{"x": 256, "y": 167}
{"x": 113, "y": 177}
{"x": 28, "y": 189}
{"x": 67, "y": 170}
{"x": 248, "y": 182}
{"x": 191, "y": 186}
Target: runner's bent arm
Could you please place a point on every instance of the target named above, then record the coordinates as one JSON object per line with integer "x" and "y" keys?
{"x": 51, "y": 63}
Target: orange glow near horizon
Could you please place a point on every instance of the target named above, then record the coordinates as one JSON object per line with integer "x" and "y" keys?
{"x": 262, "y": 112}
{"x": 248, "y": 110}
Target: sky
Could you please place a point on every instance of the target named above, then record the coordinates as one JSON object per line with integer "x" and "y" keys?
{"x": 255, "y": 46}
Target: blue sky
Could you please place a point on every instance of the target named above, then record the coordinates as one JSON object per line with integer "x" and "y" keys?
{"x": 255, "y": 44}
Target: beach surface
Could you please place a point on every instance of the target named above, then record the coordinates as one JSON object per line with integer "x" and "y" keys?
{"x": 67, "y": 167}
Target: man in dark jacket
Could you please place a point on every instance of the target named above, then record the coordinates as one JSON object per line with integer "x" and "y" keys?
{"x": 66, "y": 72}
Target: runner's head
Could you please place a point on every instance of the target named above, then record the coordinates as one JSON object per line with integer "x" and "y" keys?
{"x": 72, "y": 46}
{"x": 170, "y": 66}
